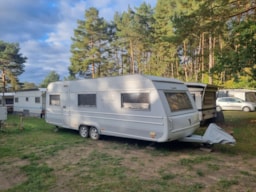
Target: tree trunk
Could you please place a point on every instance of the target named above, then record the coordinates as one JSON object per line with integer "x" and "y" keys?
{"x": 172, "y": 69}
{"x": 177, "y": 66}
{"x": 222, "y": 76}
{"x": 93, "y": 64}
{"x": 132, "y": 57}
{"x": 210, "y": 57}
{"x": 3, "y": 91}
{"x": 185, "y": 57}
{"x": 202, "y": 59}
{"x": 93, "y": 70}
{"x": 198, "y": 59}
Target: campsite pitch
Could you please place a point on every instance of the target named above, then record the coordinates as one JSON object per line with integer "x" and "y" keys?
{"x": 40, "y": 159}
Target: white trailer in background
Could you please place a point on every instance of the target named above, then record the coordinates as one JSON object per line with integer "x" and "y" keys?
{"x": 6, "y": 106}
{"x": 3, "y": 114}
{"x": 205, "y": 99}
{"x": 132, "y": 106}
{"x": 248, "y": 95}
{"x": 30, "y": 102}
{"x": 7, "y": 100}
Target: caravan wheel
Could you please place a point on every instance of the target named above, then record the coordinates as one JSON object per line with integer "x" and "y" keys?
{"x": 84, "y": 131}
{"x": 246, "y": 109}
{"x": 218, "y": 109}
{"x": 94, "y": 134}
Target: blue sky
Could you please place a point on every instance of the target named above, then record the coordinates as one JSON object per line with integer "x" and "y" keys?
{"x": 43, "y": 29}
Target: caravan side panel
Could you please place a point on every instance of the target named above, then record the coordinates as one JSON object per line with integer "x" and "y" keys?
{"x": 29, "y": 101}
{"x": 132, "y": 106}
{"x": 109, "y": 108}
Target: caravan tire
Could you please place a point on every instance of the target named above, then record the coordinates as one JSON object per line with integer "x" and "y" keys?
{"x": 94, "y": 133}
{"x": 84, "y": 131}
{"x": 246, "y": 109}
{"x": 218, "y": 109}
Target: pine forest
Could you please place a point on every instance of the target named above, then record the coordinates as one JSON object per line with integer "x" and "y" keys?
{"x": 208, "y": 41}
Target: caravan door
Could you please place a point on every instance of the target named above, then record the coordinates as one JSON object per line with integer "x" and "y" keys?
{"x": 57, "y": 105}
{"x": 183, "y": 115}
{"x": 65, "y": 106}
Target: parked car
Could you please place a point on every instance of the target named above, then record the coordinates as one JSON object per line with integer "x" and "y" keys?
{"x": 234, "y": 103}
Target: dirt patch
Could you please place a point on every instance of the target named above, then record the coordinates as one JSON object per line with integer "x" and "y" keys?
{"x": 10, "y": 173}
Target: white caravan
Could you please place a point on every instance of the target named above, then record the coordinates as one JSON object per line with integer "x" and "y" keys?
{"x": 6, "y": 99}
{"x": 132, "y": 106}
{"x": 30, "y": 102}
{"x": 205, "y": 99}
{"x": 248, "y": 95}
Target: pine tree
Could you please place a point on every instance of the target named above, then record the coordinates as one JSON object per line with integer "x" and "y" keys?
{"x": 164, "y": 60}
{"x": 51, "y": 77}
{"x": 238, "y": 55}
{"x": 145, "y": 21}
{"x": 88, "y": 46}
{"x": 127, "y": 37}
{"x": 11, "y": 64}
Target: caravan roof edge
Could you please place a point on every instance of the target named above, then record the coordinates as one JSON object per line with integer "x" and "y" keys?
{"x": 195, "y": 84}
{"x": 149, "y": 77}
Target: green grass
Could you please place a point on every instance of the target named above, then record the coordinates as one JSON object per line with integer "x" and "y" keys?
{"x": 36, "y": 142}
{"x": 196, "y": 160}
{"x": 42, "y": 157}
{"x": 243, "y": 125}
{"x": 226, "y": 184}
{"x": 36, "y": 135}
{"x": 39, "y": 177}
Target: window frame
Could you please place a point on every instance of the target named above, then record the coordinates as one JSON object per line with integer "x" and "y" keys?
{"x": 57, "y": 100}
{"x": 84, "y": 99}
{"x": 37, "y": 100}
{"x": 209, "y": 98}
{"x": 176, "y": 101}
{"x": 135, "y": 101}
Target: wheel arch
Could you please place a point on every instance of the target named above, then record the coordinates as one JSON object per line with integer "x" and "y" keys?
{"x": 246, "y": 107}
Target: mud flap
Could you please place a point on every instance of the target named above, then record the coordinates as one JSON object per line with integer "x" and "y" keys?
{"x": 213, "y": 135}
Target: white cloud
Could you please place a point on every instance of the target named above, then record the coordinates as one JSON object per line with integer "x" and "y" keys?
{"x": 53, "y": 52}
{"x": 21, "y": 20}
{"x": 44, "y": 30}
{"x": 65, "y": 28}
{"x": 42, "y": 59}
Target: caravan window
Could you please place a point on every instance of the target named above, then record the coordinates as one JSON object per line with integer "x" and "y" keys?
{"x": 9, "y": 101}
{"x": 55, "y": 100}
{"x": 87, "y": 100}
{"x": 135, "y": 100}
{"x": 37, "y": 99}
{"x": 178, "y": 101}
{"x": 16, "y": 99}
{"x": 209, "y": 98}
